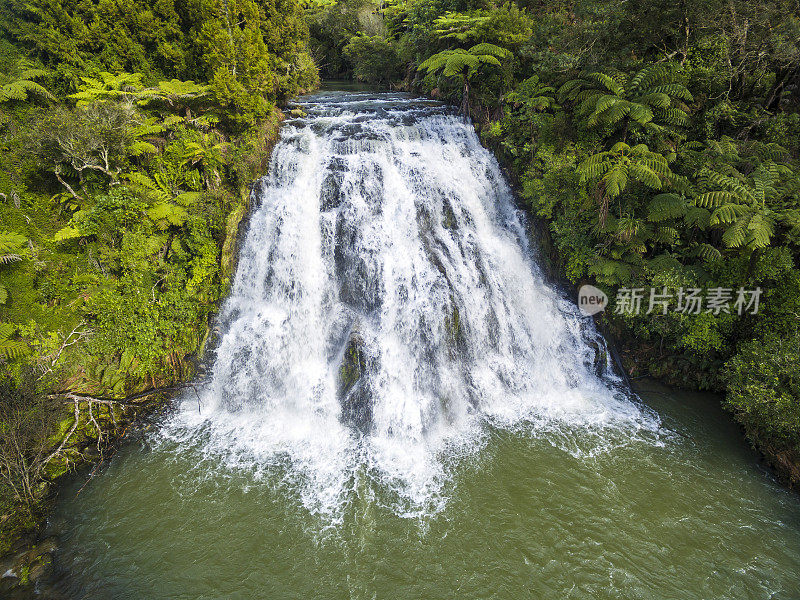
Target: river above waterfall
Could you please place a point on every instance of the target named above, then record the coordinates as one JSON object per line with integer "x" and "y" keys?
{"x": 400, "y": 406}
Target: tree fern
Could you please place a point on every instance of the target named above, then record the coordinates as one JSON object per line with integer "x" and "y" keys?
{"x": 11, "y": 349}
{"x": 650, "y": 100}
{"x": 610, "y": 271}
{"x": 166, "y": 215}
{"x": 150, "y": 186}
{"x": 23, "y": 86}
{"x": 622, "y": 163}
{"x": 108, "y": 87}
{"x": 744, "y": 207}
{"x": 666, "y": 206}
{"x": 465, "y": 64}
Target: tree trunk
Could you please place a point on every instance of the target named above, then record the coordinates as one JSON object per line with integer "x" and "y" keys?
{"x": 465, "y": 98}
{"x": 751, "y": 264}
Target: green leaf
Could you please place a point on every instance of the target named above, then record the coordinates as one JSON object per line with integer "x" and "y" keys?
{"x": 165, "y": 214}
{"x": 67, "y": 233}
{"x": 666, "y": 206}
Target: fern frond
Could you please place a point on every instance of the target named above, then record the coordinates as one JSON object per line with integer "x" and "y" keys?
{"x": 697, "y": 217}
{"x": 707, "y": 252}
{"x": 489, "y": 50}
{"x": 607, "y": 82}
{"x": 735, "y": 235}
{"x": 645, "y": 175}
{"x": 66, "y": 234}
{"x": 656, "y": 99}
{"x": 615, "y": 180}
{"x": 665, "y": 262}
{"x": 166, "y": 214}
{"x": 11, "y": 349}
{"x": 640, "y": 113}
{"x": 458, "y": 62}
{"x": 726, "y": 214}
{"x": 666, "y": 235}
{"x": 666, "y": 206}
{"x": 761, "y": 228}
{"x": 717, "y": 198}
{"x": 12, "y": 243}
{"x": 673, "y": 90}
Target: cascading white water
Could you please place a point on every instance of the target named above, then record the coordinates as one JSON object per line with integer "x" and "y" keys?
{"x": 387, "y": 311}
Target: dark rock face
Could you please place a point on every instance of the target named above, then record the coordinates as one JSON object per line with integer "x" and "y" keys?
{"x": 358, "y": 270}
{"x": 353, "y": 390}
{"x": 331, "y": 191}
{"x": 23, "y": 570}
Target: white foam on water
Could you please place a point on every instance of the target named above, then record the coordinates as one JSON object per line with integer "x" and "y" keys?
{"x": 383, "y": 217}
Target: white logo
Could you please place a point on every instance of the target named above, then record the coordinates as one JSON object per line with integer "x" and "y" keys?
{"x": 591, "y": 300}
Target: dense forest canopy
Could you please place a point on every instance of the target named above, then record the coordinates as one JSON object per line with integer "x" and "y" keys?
{"x": 657, "y": 140}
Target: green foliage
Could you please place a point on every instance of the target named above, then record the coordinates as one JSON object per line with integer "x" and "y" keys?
{"x": 20, "y": 84}
{"x": 658, "y": 164}
{"x": 108, "y": 86}
{"x": 374, "y": 59}
{"x": 250, "y": 54}
{"x": 236, "y": 56}
{"x": 13, "y": 248}
{"x": 650, "y": 102}
{"x": 505, "y": 25}
{"x": 744, "y": 207}
{"x": 11, "y": 349}
{"x": 115, "y": 197}
{"x": 614, "y": 168}
{"x": 334, "y": 25}
{"x": 763, "y": 388}
{"x": 532, "y": 97}
{"x": 464, "y": 65}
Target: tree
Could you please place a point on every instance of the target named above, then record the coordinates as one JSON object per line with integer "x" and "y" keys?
{"x": 763, "y": 388}
{"x": 22, "y": 86}
{"x": 613, "y": 169}
{"x": 464, "y": 65}
{"x": 504, "y": 25}
{"x": 96, "y": 138}
{"x": 27, "y": 419}
{"x": 13, "y": 248}
{"x": 374, "y": 58}
{"x": 650, "y": 102}
{"x": 236, "y": 58}
{"x": 744, "y": 207}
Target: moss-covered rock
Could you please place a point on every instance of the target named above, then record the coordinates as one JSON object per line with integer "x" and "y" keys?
{"x": 352, "y": 390}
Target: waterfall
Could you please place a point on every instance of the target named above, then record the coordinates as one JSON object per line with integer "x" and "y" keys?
{"x": 388, "y": 312}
